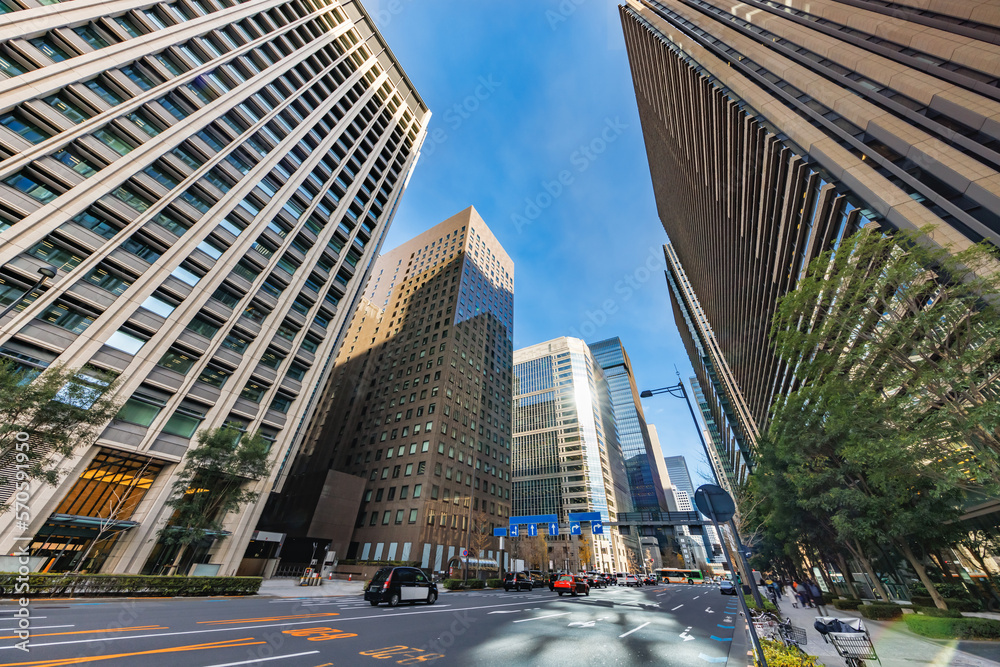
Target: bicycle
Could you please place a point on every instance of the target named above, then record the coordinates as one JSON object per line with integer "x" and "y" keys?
{"x": 766, "y": 624}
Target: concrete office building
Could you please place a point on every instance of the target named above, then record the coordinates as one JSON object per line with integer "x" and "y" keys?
{"x": 775, "y": 129}
{"x": 417, "y": 410}
{"x": 212, "y": 179}
{"x": 661, "y": 468}
{"x": 567, "y": 457}
{"x": 644, "y": 482}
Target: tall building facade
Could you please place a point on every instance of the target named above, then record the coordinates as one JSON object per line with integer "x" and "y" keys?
{"x": 567, "y": 457}
{"x": 645, "y": 485}
{"x": 212, "y": 181}
{"x": 775, "y": 129}
{"x": 418, "y": 406}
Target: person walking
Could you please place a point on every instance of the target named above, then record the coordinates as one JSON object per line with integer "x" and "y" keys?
{"x": 817, "y": 596}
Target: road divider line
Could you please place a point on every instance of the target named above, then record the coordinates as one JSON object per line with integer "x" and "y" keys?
{"x": 255, "y": 661}
{"x": 272, "y": 618}
{"x": 635, "y": 629}
{"x": 538, "y": 618}
{"x": 140, "y": 628}
{"x": 677, "y": 607}
{"x": 39, "y": 627}
{"x": 60, "y": 662}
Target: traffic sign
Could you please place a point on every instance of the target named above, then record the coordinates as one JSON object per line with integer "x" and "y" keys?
{"x": 553, "y": 529}
{"x": 515, "y": 531}
{"x": 532, "y": 530}
{"x": 499, "y": 532}
{"x": 597, "y": 528}
{"x": 574, "y": 528}
{"x": 465, "y": 553}
{"x": 714, "y": 501}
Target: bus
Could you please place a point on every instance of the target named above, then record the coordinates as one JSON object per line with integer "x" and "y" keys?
{"x": 677, "y": 576}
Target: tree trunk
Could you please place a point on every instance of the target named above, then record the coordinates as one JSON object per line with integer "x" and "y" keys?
{"x": 922, "y": 574}
{"x": 846, "y": 572}
{"x": 870, "y": 571}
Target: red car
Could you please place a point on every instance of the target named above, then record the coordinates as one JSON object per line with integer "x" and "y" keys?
{"x": 571, "y": 584}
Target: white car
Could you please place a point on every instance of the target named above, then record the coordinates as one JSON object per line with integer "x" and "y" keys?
{"x": 632, "y": 580}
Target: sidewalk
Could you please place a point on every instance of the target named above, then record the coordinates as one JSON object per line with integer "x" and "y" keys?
{"x": 895, "y": 645}
{"x": 288, "y": 587}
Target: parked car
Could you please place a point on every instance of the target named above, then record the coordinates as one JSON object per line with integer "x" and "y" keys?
{"x": 727, "y": 587}
{"x": 401, "y": 584}
{"x": 630, "y": 580}
{"x": 517, "y": 581}
{"x": 572, "y": 584}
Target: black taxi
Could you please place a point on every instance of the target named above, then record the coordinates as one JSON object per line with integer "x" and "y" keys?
{"x": 393, "y": 585}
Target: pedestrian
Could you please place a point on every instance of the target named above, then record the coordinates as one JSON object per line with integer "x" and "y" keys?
{"x": 777, "y": 589}
{"x": 817, "y": 596}
{"x": 796, "y": 598}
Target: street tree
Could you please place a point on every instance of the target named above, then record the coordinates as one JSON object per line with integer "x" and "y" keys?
{"x": 213, "y": 483}
{"x": 585, "y": 553}
{"x": 45, "y": 417}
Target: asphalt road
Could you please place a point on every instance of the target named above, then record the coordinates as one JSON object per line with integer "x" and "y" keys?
{"x": 664, "y": 625}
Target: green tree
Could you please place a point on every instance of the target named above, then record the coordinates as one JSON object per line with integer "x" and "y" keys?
{"x": 212, "y": 484}
{"x": 46, "y": 417}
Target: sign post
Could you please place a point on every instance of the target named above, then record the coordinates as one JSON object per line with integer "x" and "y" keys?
{"x": 719, "y": 506}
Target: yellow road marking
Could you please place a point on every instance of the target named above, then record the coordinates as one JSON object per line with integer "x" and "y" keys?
{"x": 59, "y": 662}
{"x": 86, "y": 632}
{"x": 271, "y": 618}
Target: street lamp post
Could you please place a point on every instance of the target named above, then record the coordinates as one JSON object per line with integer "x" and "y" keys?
{"x": 678, "y": 391}
{"x": 46, "y": 272}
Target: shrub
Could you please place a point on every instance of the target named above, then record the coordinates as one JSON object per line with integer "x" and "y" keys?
{"x": 953, "y": 603}
{"x": 475, "y": 584}
{"x": 828, "y": 598}
{"x": 131, "y": 585}
{"x": 938, "y": 613}
{"x": 494, "y": 583}
{"x": 953, "y": 628}
{"x": 881, "y": 611}
{"x": 779, "y": 655}
{"x": 768, "y": 605}
{"x": 846, "y": 603}
{"x": 453, "y": 584}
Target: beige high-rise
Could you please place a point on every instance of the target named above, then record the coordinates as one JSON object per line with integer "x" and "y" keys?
{"x": 212, "y": 179}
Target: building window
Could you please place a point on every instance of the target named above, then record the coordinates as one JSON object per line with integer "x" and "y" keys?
{"x": 140, "y": 409}
{"x": 183, "y": 423}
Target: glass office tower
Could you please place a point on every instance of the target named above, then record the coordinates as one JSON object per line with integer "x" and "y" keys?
{"x": 567, "y": 457}
{"x": 212, "y": 180}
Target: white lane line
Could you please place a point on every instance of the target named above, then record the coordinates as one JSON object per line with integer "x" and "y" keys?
{"x": 677, "y": 607}
{"x": 38, "y": 627}
{"x": 634, "y": 630}
{"x": 437, "y": 610}
{"x": 696, "y": 597}
{"x": 538, "y": 618}
{"x": 254, "y": 662}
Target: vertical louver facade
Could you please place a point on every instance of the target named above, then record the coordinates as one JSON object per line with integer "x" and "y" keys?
{"x": 212, "y": 181}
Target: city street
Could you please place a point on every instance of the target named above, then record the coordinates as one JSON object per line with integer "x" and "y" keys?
{"x": 669, "y": 625}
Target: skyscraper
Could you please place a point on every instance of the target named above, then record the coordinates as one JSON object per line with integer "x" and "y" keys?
{"x": 418, "y": 407}
{"x": 644, "y": 482}
{"x": 567, "y": 457}
{"x": 212, "y": 180}
{"x": 775, "y": 129}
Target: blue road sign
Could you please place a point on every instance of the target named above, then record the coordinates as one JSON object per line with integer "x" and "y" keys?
{"x": 532, "y": 530}
{"x": 584, "y": 516}
{"x": 597, "y": 528}
{"x": 553, "y": 529}
{"x": 515, "y": 531}
{"x": 536, "y": 518}
{"x": 499, "y": 532}
{"x": 574, "y": 528}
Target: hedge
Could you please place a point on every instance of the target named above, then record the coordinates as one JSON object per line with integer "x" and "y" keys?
{"x": 129, "y": 585}
{"x": 453, "y": 584}
{"x": 953, "y": 628}
{"x": 881, "y": 611}
{"x": 475, "y": 584}
{"x": 847, "y": 603}
{"x": 779, "y": 655}
{"x": 828, "y": 598}
{"x": 939, "y": 613}
{"x": 752, "y": 604}
{"x": 959, "y": 604}
{"x": 494, "y": 583}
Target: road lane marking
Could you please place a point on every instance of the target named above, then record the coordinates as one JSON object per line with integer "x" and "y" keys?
{"x": 59, "y": 662}
{"x": 272, "y": 618}
{"x": 538, "y": 618}
{"x": 438, "y": 609}
{"x": 720, "y": 639}
{"x": 635, "y": 630}
{"x": 139, "y": 628}
{"x": 39, "y": 627}
{"x": 709, "y": 659}
{"x": 677, "y": 607}
{"x": 696, "y": 597}
{"x": 726, "y": 627}
{"x": 255, "y": 661}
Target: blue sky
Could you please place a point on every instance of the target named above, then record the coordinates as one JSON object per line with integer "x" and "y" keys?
{"x": 535, "y": 124}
